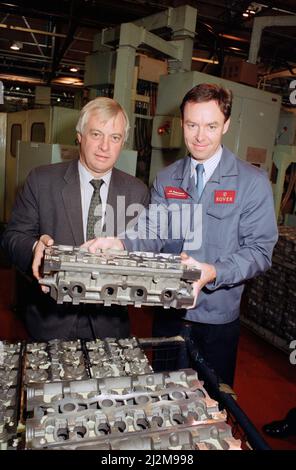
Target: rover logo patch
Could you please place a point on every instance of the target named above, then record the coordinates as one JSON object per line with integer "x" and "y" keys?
{"x": 224, "y": 197}
{"x": 175, "y": 193}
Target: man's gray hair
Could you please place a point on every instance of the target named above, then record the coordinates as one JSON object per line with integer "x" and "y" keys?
{"x": 107, "y": 108}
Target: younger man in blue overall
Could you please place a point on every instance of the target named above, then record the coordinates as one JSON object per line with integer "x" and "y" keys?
{"x": 239, "y": 228}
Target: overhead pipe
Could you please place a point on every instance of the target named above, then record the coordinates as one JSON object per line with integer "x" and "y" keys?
{"x": 39, "y": 31}
{"x": 283, "y": 74}
{"x": 260, "y": 23}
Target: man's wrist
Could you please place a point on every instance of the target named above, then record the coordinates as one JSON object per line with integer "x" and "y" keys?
{"x": 213, "y": 276}
{"x": 214, "y": 273}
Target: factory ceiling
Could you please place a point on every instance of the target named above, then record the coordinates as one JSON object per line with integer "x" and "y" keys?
{"x": 51, "y": 38}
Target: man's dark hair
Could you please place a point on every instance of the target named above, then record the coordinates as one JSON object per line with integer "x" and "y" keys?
{"x": 208, "y": 92}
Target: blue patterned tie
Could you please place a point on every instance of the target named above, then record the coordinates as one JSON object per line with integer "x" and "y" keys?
{"x": 94, "y": 219}
{"x": 199, "y": 180}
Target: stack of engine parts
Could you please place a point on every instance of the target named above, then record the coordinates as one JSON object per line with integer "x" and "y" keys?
{"x": 78, "y": 360}
{"x": 114, "y": 358}
{"x": 103, "y": 395}
{"x": 271, "y": 297}
{"x": 10, "y": 379}
{"x": 117, "y": 277}
{"x": 54, "y": 361}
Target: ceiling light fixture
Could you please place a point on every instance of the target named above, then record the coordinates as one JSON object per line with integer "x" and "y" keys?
{"x": 235, "y": 48}
{"x": 74, "y": 69}
{"x": 252, "y": 9}
{"x": 16, "y": 45}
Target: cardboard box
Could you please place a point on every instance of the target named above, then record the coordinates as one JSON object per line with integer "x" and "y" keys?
{"x": 150, "y": 69}
{"x": 240, "y": 71}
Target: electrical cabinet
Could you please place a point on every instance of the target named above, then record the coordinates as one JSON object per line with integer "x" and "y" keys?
{"x": 44, "y": 125}
{"x": 33, "y": 154}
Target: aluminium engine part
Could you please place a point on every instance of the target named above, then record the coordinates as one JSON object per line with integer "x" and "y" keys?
{"x": 35, "y": 347}
{"x": 215, "y": 437}
{"x": 117, "y": 277}
{"x": 95, "y": 345}
{"x": 149, "y": 382}
{"x": 8, "y": 378}
{"x": 62, "y": 360}
{"x": 112, "y": 357}
{"x": 9, "y": 361}
{"x": 135, "y": 368}
{"x": 71, "y": 373}
{"x": 97, "y": 357}
{"x": 76, "y": 434}
{"x": 36, "y": 376}
{"x": 106, "y": 369}
{"x": 65, "y": 345}
{"x": 172, "y": 397}
{"x": 74, "y": 358}
{"x": 7, "y": 398}
{"x": 105, "y": 417}
{"x": 129, "y": 343}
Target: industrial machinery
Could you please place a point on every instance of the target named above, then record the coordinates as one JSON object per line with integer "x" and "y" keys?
{"x": 117, "y": 277}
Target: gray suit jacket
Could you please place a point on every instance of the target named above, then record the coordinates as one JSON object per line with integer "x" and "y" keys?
{"x": 50, "y": 203}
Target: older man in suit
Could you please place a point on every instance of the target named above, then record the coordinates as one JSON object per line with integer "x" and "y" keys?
{"x": 59, "y": 204}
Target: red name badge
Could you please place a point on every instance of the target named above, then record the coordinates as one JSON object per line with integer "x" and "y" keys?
{"x": 224, "y": 197}
{"x": 171, "y": 192}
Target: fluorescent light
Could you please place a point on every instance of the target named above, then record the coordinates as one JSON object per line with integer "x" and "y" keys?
{"x": 202, "y": 59}
{"x": 68, "y": 81}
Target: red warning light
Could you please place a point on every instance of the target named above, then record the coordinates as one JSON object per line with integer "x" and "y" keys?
{"x": 165, "y": 128}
